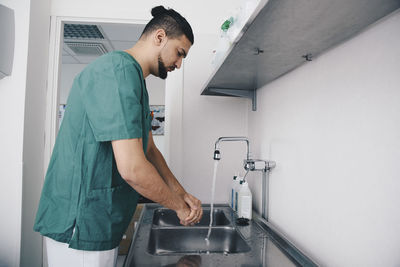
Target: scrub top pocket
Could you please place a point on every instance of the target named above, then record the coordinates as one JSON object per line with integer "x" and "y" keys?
{"x": 106, "y": 212}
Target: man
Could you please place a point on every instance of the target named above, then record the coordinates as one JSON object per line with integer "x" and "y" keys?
{"x": 104, "y": 155}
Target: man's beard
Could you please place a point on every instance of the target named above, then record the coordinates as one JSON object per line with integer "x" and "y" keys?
{"x": 162, "y": 70}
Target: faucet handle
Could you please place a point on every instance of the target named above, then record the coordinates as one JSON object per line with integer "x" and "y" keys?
{"x": 248, "y": 164}
{"x": 258, "y": 165}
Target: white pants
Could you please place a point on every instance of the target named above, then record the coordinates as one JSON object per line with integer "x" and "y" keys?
{"x": 60, "y": 255}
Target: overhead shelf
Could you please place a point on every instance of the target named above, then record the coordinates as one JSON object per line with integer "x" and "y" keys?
{"x": 283, "y": 34}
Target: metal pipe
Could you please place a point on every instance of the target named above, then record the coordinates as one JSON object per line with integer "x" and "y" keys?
{"x": 265, "y": 194}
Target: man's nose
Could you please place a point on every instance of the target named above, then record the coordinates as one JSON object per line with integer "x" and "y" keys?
{"x": 178, "y": 63}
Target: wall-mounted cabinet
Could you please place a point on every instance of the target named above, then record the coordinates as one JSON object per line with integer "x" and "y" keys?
{"x": 283, "y": 34}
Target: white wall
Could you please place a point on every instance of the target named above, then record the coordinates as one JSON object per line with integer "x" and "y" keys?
{"x": 12, "y": 100}
{"x": 333, "y": 127}
{"x": 21, "y": 156}
{"x": 156, "y": 89}
{"x": 34, "y": 124}
{"x": 205, "y": 118}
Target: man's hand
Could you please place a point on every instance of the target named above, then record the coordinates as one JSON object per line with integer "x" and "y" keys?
{"x": 196, "y": 211}
{"x": 183, "y": 214}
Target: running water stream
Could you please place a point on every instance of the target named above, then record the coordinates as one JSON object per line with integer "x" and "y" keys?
{"x": 212, "y": 201}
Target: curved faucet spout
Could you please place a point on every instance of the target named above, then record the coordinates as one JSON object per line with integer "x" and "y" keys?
{"x": 217, "y": 155}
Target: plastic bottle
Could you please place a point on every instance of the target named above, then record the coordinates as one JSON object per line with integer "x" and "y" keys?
{"x": 235, "y": 181}
{"x": 244, "y": 201}
{"x": 236, "y": 192}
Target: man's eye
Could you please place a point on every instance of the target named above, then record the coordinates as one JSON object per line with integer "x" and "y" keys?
{"x": 179, "y": 54}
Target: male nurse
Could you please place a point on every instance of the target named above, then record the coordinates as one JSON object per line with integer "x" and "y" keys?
{"x": 104, "y": 155}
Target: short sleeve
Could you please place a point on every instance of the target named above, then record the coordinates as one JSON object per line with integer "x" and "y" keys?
{"x": 112, "y": 100}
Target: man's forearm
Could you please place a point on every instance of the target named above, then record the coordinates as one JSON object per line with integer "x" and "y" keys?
{"x": 149, "y": 184}
{"x": 155, "y": 157}
{"x": 158, "y": 161}
{"x": 139, "y": 173}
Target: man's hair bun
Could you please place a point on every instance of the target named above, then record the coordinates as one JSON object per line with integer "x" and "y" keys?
{"x": 170, "y": 21}
{"x": 158, "y": 10}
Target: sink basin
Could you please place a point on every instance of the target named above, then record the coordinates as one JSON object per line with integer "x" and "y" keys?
{"x": 255, "y": 244}
{"x": 167, "y": 217}
{"x": 189, "y": 240}
{"x": 168, "y": 236}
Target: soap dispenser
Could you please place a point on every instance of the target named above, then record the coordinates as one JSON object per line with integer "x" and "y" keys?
{"x": 244, "y": 201}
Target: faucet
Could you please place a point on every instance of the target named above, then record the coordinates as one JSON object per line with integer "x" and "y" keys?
{"x": 250, "y": 165}
{"x": 217, "y": 154}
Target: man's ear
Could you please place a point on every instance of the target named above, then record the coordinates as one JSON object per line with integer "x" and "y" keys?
{"x": 159, "y": 37}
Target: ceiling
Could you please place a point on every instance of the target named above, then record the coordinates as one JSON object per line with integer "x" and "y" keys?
{"x": 111, "y": 36}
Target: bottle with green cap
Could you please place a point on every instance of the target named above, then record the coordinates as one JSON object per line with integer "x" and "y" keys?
{"x": 227, "y": 23}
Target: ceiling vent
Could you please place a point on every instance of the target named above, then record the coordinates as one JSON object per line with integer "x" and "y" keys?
{"x": 87, "y": 49}
{"x": 82, "y": 31}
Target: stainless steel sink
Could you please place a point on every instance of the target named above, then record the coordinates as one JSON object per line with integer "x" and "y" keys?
{"x": 157, "y": 241}
{"x": 168, "y": 236}
{"x": 166, "y": 217}
{"x": 167, "y": 241}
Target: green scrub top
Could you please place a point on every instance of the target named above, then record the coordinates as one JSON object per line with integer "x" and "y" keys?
{"x": 85, "y": 202}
